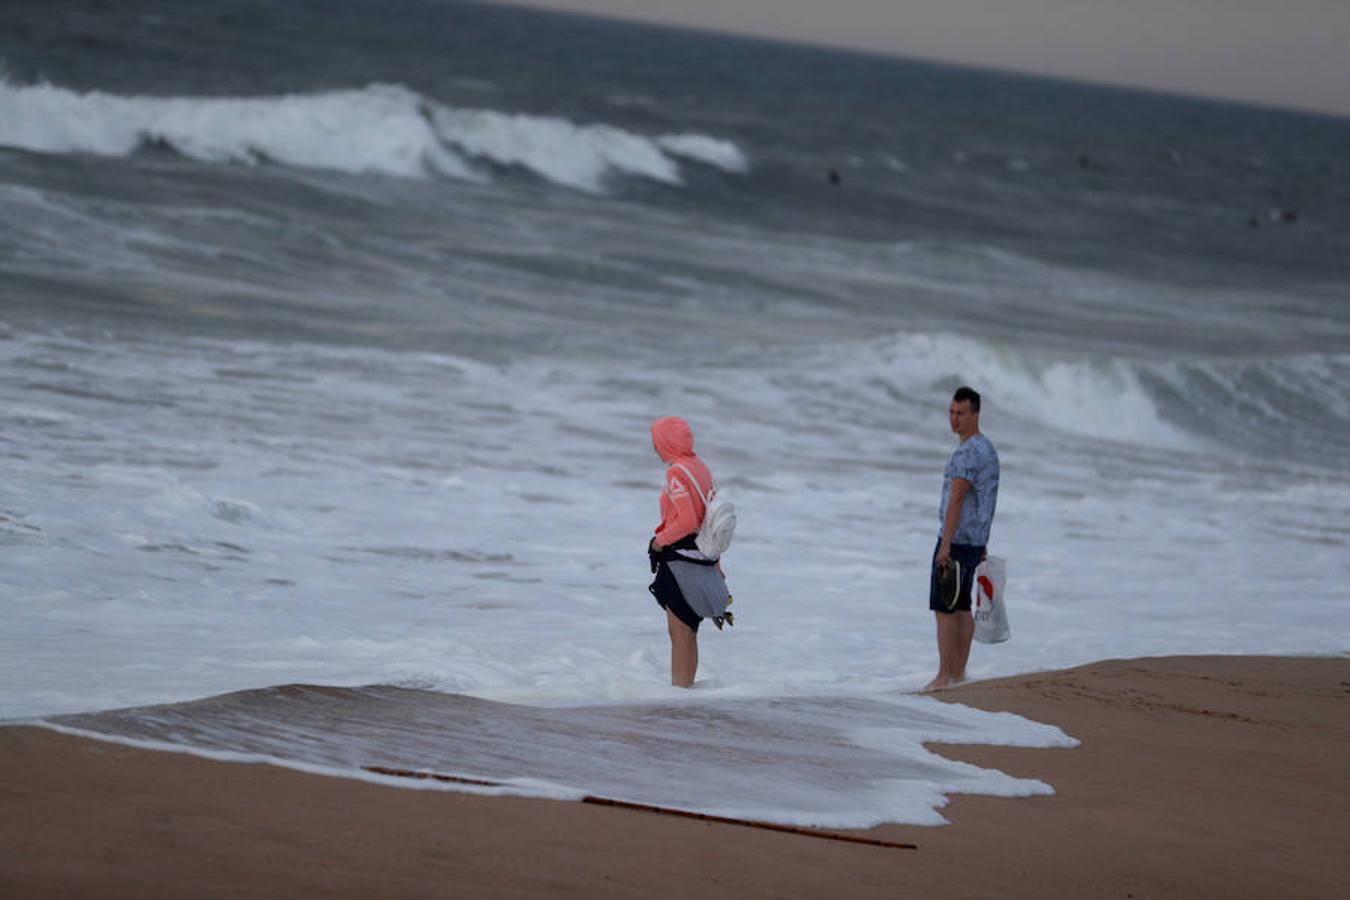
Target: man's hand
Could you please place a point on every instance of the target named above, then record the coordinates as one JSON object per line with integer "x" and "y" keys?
{"x": 960, "y": 487}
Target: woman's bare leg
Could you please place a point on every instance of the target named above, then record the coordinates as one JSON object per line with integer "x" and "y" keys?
{"x": 683, "y": 651}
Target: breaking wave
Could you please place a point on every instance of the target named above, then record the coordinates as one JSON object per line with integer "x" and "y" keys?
{"x": 1255, "y": 404}
{"x": 383, "y": 129}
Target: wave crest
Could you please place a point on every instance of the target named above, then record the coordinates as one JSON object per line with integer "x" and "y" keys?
{"x": 1258, "y": 405}
{"x": 578, "y": 156}
{"x": 1105, "y": 398}
{"x": 383, "y": 129}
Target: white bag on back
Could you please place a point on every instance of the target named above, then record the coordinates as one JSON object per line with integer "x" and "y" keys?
{"x": 719, "y": 521}
{"x": 989, "y": 606}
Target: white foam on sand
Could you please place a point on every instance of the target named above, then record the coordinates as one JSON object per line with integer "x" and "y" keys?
{"x": 524, "y": 787}
{"x": 837, "y": 762}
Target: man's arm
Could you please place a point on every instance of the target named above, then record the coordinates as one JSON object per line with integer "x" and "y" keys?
{"x": 960, "y": 487}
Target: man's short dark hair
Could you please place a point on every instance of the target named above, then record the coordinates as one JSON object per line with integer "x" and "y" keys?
{"x": 967, "y": 393}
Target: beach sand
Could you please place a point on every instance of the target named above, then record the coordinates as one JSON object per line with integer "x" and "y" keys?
{"x": 1196, "y": 777}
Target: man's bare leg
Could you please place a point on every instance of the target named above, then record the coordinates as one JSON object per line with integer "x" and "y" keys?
{"x": 683, "y": 651}
{"x": 951, "y": 662}
{"x": 965, "y": 632}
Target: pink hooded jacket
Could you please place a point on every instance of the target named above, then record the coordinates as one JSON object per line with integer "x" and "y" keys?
{"x": 681, "y": 508}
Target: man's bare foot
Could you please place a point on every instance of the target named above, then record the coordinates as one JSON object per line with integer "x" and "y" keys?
{"x": 937, "y": 684}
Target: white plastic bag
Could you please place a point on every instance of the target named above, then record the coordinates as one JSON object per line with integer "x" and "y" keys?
{"x": 990, "y": 607}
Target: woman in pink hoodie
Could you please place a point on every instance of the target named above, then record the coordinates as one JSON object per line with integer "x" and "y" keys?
{"x": 675, "y": 559}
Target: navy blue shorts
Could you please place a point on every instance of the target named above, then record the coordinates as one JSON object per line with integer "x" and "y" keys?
{"x": 969, "y": 556}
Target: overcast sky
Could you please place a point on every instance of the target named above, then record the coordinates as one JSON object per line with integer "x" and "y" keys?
{"x": 1293, "y": 53}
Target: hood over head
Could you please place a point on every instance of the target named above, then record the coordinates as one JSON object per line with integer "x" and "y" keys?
{"x": 672, "y": 438}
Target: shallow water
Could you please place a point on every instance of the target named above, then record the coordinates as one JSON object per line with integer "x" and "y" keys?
{"x": 837, "y": 761}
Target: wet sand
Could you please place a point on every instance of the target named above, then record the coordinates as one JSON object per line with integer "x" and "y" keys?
{"x": 1196, "y": 777}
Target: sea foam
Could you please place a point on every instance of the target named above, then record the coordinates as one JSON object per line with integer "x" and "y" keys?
{"x": 834, "y": 761}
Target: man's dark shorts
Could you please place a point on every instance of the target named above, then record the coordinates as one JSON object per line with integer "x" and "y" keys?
{"x": 969, "y": 556}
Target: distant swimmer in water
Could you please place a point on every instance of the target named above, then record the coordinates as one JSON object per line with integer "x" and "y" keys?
{"x": 1276, "y": 215}
{"x": 688, "y": 585}
{"x": 834, "y": 177}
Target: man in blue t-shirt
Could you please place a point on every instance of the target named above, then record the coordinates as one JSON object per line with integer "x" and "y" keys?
{"x": 969, "y": 494}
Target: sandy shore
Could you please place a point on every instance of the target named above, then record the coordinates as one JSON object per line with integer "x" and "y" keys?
{"x": 1197, "y": 777}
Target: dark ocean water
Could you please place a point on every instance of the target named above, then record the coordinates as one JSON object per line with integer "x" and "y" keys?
{"x": 1156, "y": 189}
